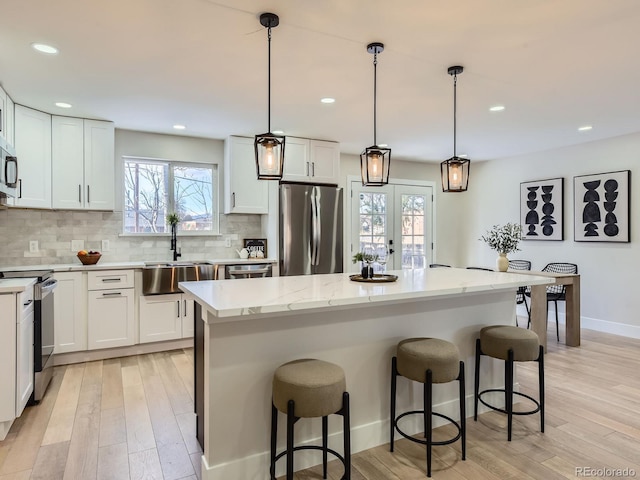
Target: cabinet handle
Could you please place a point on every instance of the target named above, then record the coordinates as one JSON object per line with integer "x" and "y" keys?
{"x": 185, "y": 308}
{"x": 20, "y": 190}
{"x": 178, "y": 302}
{"x": 313, "y": 169}
{"x": 110, "y": 280}
{"x": 307, "y": 169}
{"x": 233, "y": 199}
{"x": 28, "y": 303}
{"x": 88, "y": 195}
{"x": 112, "y": 294}
{"x": 79, "y": 193}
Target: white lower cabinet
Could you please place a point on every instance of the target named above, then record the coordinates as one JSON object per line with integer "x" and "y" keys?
{"x": 16, "y": 356}
{"x": 165, "y": 317}
{"x": 111, "y": 311}
{"x": 70, "y": 312}
{"x": 24, "y": 354}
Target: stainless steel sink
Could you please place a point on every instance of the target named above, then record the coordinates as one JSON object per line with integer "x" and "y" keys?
{"x": 163, "y": 277}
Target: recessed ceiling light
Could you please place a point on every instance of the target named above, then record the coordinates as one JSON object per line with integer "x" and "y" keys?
{"x": 179, "y": 127}
{"x": 278, "y": 132}
{"x": 496, "y": 108}
{"x": 328, "y": 100}
{"x": 44, "y": 48}
{"x": 63, "y": 105}
{"x": 585, "y": 128}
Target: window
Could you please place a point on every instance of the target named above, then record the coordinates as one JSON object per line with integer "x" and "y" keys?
{"x": 155, "y": 188}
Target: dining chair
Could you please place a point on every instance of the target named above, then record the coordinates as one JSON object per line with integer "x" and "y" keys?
{"x": 520, "y": 293}
{"x": 556, "y": 293}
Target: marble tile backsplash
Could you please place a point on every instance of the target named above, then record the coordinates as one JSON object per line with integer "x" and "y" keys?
{"x": 54, "y": 231}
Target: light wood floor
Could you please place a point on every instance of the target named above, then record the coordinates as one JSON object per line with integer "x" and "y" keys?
{"x": 132, "y": 418}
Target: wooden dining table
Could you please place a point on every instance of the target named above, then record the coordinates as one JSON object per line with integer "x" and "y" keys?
{"x": 539, "y": 306}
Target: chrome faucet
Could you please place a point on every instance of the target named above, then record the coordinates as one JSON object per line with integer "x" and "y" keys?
{"x": 174, "y": 244}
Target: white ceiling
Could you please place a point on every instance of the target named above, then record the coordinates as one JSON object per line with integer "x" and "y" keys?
{"x": 148, "y": 64}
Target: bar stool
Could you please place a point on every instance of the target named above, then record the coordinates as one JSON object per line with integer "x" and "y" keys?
{"x": 310, "y": 388}
{"x": 428, "y": 361}
{"x": 511, "y": 344}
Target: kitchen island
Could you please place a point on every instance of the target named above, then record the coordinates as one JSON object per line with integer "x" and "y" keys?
{"x": 252, "y": 326}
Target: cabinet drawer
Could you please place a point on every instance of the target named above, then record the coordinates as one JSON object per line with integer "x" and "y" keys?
{"x": 110, "y": 279}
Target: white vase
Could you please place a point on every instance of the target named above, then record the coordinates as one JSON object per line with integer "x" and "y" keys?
{"x": 502, "y": 262}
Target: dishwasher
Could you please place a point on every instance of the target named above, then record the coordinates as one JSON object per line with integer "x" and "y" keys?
{"x": 248, "y": 270}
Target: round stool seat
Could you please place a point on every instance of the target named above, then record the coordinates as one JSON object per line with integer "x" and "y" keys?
{"x": 417, "y": 355}
{"x": 497, "y": 340}
{"x": 315, "y": 386}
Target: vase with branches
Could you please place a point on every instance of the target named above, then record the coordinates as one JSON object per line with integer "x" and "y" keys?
{"x": 504, "y": 239}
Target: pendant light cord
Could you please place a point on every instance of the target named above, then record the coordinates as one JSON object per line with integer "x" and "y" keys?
{"x": 269, "y": 84}
{"x": 375, "y": 84}
{"x": 455, "y": 103}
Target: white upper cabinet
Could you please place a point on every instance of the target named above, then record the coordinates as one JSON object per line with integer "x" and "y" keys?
{"x": 243, "y": 192}
{"x": 6, "y": 117}
{"x": 3, "y": 114}
{"x": 33, "y": 148}
{"x": 311, "y": 161}
{"x": 83, "y": 164}
{"x": 99, "y": 164}
{"x": 9, "y": 125}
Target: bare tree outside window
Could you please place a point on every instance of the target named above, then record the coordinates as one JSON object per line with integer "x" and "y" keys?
{"x": 153, "y": 189}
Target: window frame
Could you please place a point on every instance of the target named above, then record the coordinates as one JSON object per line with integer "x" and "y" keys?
{"x": 215, "y": 195}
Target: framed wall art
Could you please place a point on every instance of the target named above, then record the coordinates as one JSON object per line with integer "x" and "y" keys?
{"x": 601, "y": 207}
{"x": 542, "y": 209}
{"x": 256, "y": 245}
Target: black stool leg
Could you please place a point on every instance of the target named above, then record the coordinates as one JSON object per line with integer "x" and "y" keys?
{"x": 290, "y": 423}
{"x": 325, "y": 432}
{"x": 557, "y": 326}
{"x": 274, "y": 432}
{"x": 509, "y": 392}
{"x": 347, "y": 436}
{"x": 477, "y": 381}
{"x": 463, "y": 412}
{"x": 428, "y": 393}
{"x": 541, "y": 386}
{"x": 392, "y": 419}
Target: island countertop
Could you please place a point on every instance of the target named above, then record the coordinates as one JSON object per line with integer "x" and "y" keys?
{"x": 238, "y": 299}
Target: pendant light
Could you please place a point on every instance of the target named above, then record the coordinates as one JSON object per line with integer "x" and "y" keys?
{"x": 455, "y": 171}
{"x": 268, "y": 146}
{"x": 375, "y": 160}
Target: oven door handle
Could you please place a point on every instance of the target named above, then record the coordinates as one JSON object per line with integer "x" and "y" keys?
{"x": 48, "y": 287}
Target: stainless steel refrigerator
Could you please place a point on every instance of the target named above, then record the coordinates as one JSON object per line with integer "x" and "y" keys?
{"x": 310, "y": 229}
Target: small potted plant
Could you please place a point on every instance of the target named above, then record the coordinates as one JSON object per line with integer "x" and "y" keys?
{"x": 503, "y": 239}
{"x": 367, "y": 259}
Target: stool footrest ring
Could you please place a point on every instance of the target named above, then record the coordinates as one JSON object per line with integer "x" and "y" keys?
{"x": 502, "y": 410}
{"x": 308, "y": 447}
{"x": 424, "y": 442}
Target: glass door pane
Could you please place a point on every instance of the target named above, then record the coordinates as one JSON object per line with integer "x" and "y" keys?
{"x": 414, "y": 225}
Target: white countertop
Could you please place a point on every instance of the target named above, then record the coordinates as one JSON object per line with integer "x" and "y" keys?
{"x": 258, "y": 296}
{"x": 15, "y": 285}
{"x": 79, "y": 267}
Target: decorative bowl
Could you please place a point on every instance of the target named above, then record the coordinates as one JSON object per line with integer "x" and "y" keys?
{"x": 89, "y": 258}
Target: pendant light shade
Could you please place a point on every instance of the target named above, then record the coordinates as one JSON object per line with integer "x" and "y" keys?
{"x": 269, "y": 148}
{"x": 375, "y": 160}
{"x": 455, "y": 171}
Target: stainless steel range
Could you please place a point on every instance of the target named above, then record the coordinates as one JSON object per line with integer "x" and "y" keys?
{"x": 43, "y": 337}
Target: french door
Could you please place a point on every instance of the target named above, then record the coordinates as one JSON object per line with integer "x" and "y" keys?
{"x": 398, "y": 217}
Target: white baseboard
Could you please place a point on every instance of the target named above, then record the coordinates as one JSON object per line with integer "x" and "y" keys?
{"x": 605, "y": 326}
{"x": 102, "y": 354}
